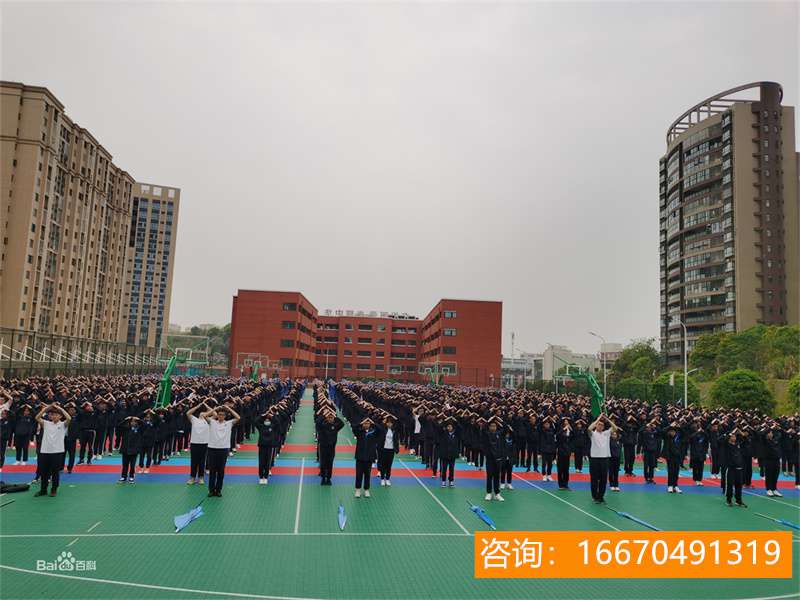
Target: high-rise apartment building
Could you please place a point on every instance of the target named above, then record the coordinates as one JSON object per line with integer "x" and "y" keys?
{"x": 728, "y": 222}
{"x": 151, "y": 255}
{"x": 64, "y": 214}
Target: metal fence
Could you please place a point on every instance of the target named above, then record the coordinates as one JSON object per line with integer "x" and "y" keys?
{"x": 28, "y": 353}
{"x": 647, "y": 392}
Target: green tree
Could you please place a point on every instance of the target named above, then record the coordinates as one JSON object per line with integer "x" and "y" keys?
{"x": 638, "y": 360}
{"x": 793, "y": 394}
{"x": 630, "y": 387}
{"x": 741, "y": 350}
{"x": 665, "y": 393}
{"x": 704, "y": 354}
{"x": 742, "y": 388}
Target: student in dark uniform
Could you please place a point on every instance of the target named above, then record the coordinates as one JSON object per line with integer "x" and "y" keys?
{"x": 493, "y": 448}
{"x": 734, "y": 461}
{"x": 771, "y": 456}
{"x": 449, "y": 443}
{"x": 713, "y": 445}
{"x": 507, "y": 464}
{"x": 88, "y": 421}
{"x": 388, "y": 446}
{"x": 673, "y": 453}
{"x": 328, "y": 426}
{"x": 580, "y": 441}
{"x": 698, "y": 449}
{"x": 650, "y": 441}
{"x": 532, "y": 441}
{"x": 630, "y": 432}
{"x": 73, "y": 433}
{"x": 520, "y": 442}
{"x": 366, "y": 452}
{"x": 24, "y": 429}
{"x": 269, "y": 440}
{"x": 6, "y": 433}
{"x": 130, "y": 447}
{"x": 564, "y": 446}
{"x": 149, "y": 432}
{"x": 547, "y": 446}
{"x": 613, "y": 463}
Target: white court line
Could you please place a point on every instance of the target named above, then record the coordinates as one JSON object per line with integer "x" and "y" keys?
{"x": 230, "y": 534}
{"x": 299, "y": 497}
{"x": 565, "y": 502}
{"x": 770, "y": 499}
{"x": 150, "y": 587}
{"x": 72, "y": 542}
{"x": 425, "y": 487}
{"x": 93, "y": 526}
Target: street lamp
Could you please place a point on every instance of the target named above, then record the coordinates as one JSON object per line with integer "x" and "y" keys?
{"x": 605, "y": 377}
{"x": 685, "y": 363}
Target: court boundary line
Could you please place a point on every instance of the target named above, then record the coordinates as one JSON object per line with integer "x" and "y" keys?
{"x": 151, "y": 586}
{"x": 232, "y": 534}
{"x": 299, "y": 498}
{"x": 439, "y": 502}
{"x": 548, "y": 492}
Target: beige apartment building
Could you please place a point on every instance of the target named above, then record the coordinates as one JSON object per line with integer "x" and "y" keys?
{"x": 729, "y": 220}
{"x": 150, "y": 259}
{"x": 65, "y": 214}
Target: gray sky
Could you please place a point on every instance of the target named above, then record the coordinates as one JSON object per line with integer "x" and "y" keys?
{"x": 382, "y": 156}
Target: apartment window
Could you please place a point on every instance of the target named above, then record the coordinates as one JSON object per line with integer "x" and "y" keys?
{"x": 286, "y": 362}
{"x": 287, "y": 343}
{"x": 364, "y": 340}
{"x": 381, "y": 328}
{"x": 363, "y": 327}
{"x": 380, "y": 354}
{"x": 364, "y": 353}
{"x": 347, "y": 366}
{"x": 379, "y": 367}
{"x": 348, "y": 353}
{"x": 448, "y": 350}
{"x": 450, "y": 332}
{"x": 348, "y": 326}
{"x": 348, "y": 340}
{"x": 380, "y": 341}
{"x": 362, "y": 367}
{"x": 287, "y": 324}
{"x": 289, "y": 306}
{"x": 449, "y": 314}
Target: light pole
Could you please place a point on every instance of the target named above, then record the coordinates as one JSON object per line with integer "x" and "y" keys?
{"x": 605, "y": 377}
{"x": 512, "y": 377}
{"x": 685, "y": 364}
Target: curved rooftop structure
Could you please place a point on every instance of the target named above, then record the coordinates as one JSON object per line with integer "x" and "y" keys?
{"x": 715, "y": 104}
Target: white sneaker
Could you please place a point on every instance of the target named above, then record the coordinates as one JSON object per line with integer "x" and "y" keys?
{"x": 366, "y": 493}
{"x": 16, "y": 462}
{"x": 509, "y": 486}
{"x": 191, "y": 481}
{"x": 499, "y": 498}
{"x": 147, "y": 470}
{"x": 388, "y": 483}
{"x": 413, "y": 452}
{"x": 697, "y": 483}
{"x": 670, "y": 489}
{"x": 24, "y": 463}
{"x": 777, "y": 493}
{"x": 444, "y": 484}
{"x": 769, "y": 493}
{"x": 502, "y": 486}
{"x": 678, "y": 490}
{"x": 201, "y": 481}
{"x": 262, "y": 481}
{"x": 452, "y": 484}
{"x": 358, "y": 493}
{"x": 487, "y": 497}
{"x": 383, "y": 483}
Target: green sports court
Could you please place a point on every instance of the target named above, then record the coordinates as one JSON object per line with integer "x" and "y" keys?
{"x": 413, "y": 540}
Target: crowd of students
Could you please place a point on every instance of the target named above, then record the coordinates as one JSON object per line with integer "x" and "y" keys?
{"x": 92, "y": 417}
{"x": 503, "y": 429}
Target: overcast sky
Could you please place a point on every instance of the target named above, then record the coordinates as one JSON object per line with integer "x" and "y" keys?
{"x": 382, "y": 156}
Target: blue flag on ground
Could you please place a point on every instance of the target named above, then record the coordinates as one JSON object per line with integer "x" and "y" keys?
{"x": 478, "y": 510}
{"x": 342, "y": 517}
{"x": 181, "y": 521}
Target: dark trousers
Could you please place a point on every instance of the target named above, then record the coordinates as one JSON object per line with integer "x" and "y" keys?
{"x": 50, "y": 466}
{"x": 448, "y": 468}
{"x": 532, "y": 457}
{"x": 714, "y": 461}
{"x": 673, "y": 468}
{"x": 562, "y": 468}
{"x": 506, "y": 470}
{"x": 70, "y": 446}
{"x": 733, "y": 484}
{"x": 99, "y": 441}
{"x": 613, "y": 471}
{"x": 147, "y": 452}
{"x": 385, "y": 460}
{"x": 519, "y": 453}
{"x": 326, "y": 454}
{"x": 547, "y": 464}
{"x": 363, "y": 473}
{"x": 3, "y": 447}
{"x": 598, "y": 472}
{"x": 87, "y": 442}
{"x": 579, "y": 460}
{"x": 197, "y": 461}
{"x": 492, "y": 476}
{"x": 650, "y": 460}
{"x": 21, "y": 445}
{"x": 747, "y": 474}
{"x": 264, "y": 460}
{"x": 629, "y": 451}
{"x": 698, "y": 464}
{"x": 723, "y": 477}
{"x": 217, "y": 457}
{"x": 771, "y": 468}
{"x": 128, "y": 465}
